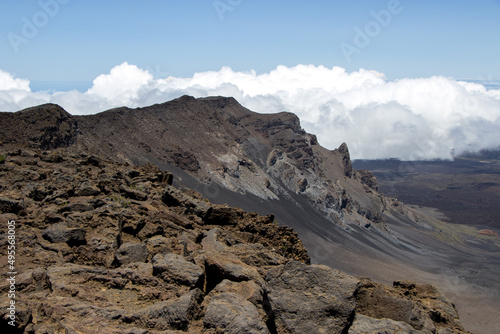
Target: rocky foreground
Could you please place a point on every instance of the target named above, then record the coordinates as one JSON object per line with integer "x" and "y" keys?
{"x": 104, "y": 247}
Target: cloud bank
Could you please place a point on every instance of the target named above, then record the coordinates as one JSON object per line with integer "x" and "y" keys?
{"x": 410, "y": 119}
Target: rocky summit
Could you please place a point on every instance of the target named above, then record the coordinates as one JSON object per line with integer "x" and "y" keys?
{"x": 108, "y": 247}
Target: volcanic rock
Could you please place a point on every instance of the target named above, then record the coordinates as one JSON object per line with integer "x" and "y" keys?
{"x": 60, "y": 233}
{"x": 106, "y": 246}
{"x": 175, "y": 268}
{"x": 131, "y": 252}
{"x": 304, "y": 298}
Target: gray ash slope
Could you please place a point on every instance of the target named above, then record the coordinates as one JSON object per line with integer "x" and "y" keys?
{"x": 269, "y": 164}
{"x": 225, "y": 151}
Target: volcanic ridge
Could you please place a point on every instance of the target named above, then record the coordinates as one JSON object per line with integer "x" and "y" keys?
{"x": 127, "y": 222}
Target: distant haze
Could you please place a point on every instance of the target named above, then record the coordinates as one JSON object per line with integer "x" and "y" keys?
{"x": 410, "y": 119}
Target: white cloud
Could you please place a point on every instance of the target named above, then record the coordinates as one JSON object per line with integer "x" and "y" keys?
{"x": 408, "y": 118}
{"x": 123, "y": 83}
{"x": 8, "y": 82}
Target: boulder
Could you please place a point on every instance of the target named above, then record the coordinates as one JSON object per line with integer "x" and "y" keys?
{"x": 249, "y": 290}
{"x": 61, "y": 233}
{"x": 231, "y": 313}
{"x": 223, "y": 216}
{"x": 219, "y": 267}
{"x": 150, "y": 230}
{"x": 158, "y": 245}
{"x": 139, "y": 273}
{"x": 420, "y": 306}
{"x": 221, "y": 264}
{"x": 87, "y": 189}
{"x": 92, "y": 161}
{"x": 51, "y": 157}
{"x": 175, "y": 268}
{"x": 310, "y": 298}
{"x": 131, "y": 252}
{"x": 171, "y": 314}
{"x": 173, "y": 197}
{"x": 257, "y": 255}
{"x": 38, "y": 193}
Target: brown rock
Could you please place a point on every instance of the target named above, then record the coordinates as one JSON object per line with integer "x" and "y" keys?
{"x": 310, "y": 299}
{"x": 87, "y": 189}
{"x": 346, "y": 159}
{"x": 366, "y": 325}
{"x": 174, "y": 268}
{"x": 171, "y": 314}
{"x": 420, "y": 306}
{"x": 131, "y": 252}
{"x": 133, "y": 193}
{"x": 231, "y": 313}
{"x": 61, "y": 233}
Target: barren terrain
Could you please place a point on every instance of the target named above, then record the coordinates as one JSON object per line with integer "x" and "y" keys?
{"x": 266, "y": 163}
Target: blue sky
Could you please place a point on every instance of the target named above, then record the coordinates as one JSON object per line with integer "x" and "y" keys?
{"x": 419, "y": 78}
{"x": 83, "y": 39}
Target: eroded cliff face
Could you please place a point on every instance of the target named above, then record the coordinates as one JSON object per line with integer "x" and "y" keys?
{"x": 217, "y": 140}
{"x": 106, "y": 247}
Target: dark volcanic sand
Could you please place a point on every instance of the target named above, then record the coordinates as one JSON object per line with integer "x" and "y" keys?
{"x": 467, "y": 191}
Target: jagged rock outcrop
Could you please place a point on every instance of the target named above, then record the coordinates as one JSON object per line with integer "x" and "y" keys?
{"x": 94, "y": 257}
{"x": 407, "y": 302}
{"x": 346, "y": 159}
{"x": 367, "y": 178}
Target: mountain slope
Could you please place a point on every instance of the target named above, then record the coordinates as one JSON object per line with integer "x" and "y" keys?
{"x": 217, "y": 140}
{"x": 268, "y": 164}
{"x": 103, "y": 247}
